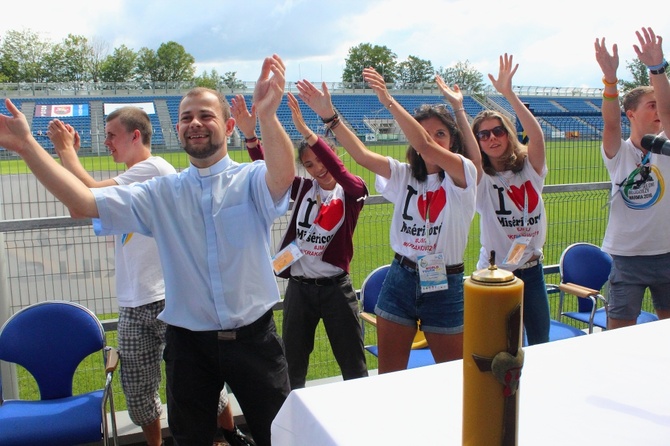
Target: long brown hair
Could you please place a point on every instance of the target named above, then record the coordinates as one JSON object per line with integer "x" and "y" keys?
{"x": 424, "y": 112}
{"x": 515, "y": 153}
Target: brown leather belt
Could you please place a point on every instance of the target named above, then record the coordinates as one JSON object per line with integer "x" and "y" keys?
{"x": 451, "y": 269}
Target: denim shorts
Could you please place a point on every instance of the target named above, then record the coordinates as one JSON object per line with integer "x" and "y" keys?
{"x": 401, "y": 301}
{"x": 630, "y": 277}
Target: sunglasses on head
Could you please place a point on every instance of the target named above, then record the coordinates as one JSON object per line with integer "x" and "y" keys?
{"x": 498, "y": 131}
{"x": 425, "y": 107}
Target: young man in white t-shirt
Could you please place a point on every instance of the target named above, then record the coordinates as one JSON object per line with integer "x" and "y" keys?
{"x": 636, "y": 235}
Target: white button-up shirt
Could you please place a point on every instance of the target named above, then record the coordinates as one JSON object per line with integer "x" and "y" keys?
{"x": 212, "y": 227}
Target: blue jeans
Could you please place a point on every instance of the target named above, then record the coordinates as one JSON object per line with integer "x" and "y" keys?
{"x": 535, "y": 304}
{"x": 401, "y": 301}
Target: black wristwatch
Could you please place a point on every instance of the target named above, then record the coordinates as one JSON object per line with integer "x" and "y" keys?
{"x": 661, "y": 69}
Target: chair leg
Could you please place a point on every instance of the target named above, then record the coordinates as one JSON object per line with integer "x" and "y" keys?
{"x": 112, "y": 413}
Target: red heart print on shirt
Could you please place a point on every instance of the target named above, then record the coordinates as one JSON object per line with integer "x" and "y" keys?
{"x": 517, "y": 194}
{"x": 330, "y": 214}
{"x": 436, "y": 201}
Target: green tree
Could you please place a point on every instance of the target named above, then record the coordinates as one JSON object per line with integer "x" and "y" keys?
{"x": 640, "y": 74}
{"x": 208, "y": 80}
{"x": 230, "y": 80}
{"x": 74, "y": 57}
{"x": 147, "y": 68}
{"x": 467, "y": 77}
{"x": 99, "y": 53}
{"x": 9, "y": 69}
{"x": 54, "y": 64}
{"x": 365, "y": 55}
{"x": 23, "y": 56}
{"x": 119, "y": 66}
{"x": 174, "y": 63}
{"x": 414, "y": 72}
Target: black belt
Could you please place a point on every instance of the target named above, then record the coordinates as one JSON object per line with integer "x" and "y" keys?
{"x": 320, "y": 281}
{"x": 451, "y": 269}
{"x": 258, "y": 326}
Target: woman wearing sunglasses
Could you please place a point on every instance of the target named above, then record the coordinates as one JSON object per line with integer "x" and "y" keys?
{"x": 434, "y": 202}
{"x": 511, "y": 176}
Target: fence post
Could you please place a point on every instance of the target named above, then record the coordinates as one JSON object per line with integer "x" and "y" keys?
{"x": 9, "y": 385}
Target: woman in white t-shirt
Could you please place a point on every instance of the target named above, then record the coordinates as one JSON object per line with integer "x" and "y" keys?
{"x": 318, "y": 244}
{"x": 434, "y": 203}
{"x": 513, "y": 221}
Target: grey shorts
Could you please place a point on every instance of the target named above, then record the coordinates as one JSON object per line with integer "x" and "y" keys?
{"x": 629, "y": 279}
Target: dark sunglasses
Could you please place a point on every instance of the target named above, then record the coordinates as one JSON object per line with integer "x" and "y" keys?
{"x": 498, "y": 131}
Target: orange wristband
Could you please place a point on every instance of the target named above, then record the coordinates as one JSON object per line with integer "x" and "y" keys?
{"x": 610, "y": 84}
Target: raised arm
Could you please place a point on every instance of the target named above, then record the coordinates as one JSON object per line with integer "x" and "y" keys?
{"x": 320, "y": 102}
{"x": 503, "y": 84}
{"x": 351, "y": 184}
{"x": 610, "y": 109}
{"x": 66, "y": 143}
{"x": 455, "y": 98}
{"x": 277, "y": 144}
{"x": 650, "y": 53}
{"x": 299, "y": 122}
{"x": 417, "y": 136}
{"x": 15, "y": 135}
{"x": 246, "y": 122}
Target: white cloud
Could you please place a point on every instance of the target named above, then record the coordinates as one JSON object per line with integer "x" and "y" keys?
{"x": 552, "y": 41}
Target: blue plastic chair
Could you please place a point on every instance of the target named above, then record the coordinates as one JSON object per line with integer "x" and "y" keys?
{"x": 585, "y": 270}
{"x": 50, "y": 339}
{"x": 420, "y": 354}
{"x": 559, "y": 331}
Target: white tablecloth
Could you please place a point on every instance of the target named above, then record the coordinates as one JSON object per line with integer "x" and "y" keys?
{"x": 610, "y": 388}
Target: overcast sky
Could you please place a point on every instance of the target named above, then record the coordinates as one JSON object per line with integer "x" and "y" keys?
{"x": 551, "y": 41}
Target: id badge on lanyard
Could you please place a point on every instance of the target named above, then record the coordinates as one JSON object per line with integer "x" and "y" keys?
{"x": 286, "y": 257}
{"x": 520, "y": 243}
{"x": 516, "y": 251}
{"x": 293, "y": 252}
{"x": 431, "y": 267}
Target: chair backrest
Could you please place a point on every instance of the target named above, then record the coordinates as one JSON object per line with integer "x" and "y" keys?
{"x": 50, "y": 339}
{"x": 371, "y": 287}
{"x": 587, "y": 265}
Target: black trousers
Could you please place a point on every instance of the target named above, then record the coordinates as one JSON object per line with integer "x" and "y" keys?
{"x": 251, "y": 361}
{"x": 305, "y": 304}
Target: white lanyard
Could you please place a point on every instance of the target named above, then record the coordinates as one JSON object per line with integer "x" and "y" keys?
{"x": 426, "y": 217}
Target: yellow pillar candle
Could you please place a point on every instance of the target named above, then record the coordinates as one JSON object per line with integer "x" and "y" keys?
{"x": 492, "y": 357}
